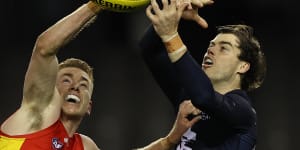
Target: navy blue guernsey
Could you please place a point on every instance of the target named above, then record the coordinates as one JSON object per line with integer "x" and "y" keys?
{"x": 228, "y": 121}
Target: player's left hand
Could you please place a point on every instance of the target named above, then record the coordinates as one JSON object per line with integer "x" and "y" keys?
{"x": 191, "y": 12}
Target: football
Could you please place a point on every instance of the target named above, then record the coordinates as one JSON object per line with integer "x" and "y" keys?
{"x": 123, "y": 5}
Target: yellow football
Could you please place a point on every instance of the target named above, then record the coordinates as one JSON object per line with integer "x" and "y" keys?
{"x": 123, "y": 5}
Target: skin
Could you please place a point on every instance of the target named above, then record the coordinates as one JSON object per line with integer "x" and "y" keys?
{"x": 46, "y": 87}
{"x": 165, "y": 21}
{"x": 182, "y": 124}
{"x": 225, "y": 70}
{"x": 192, "y": 13}
{"x": 73, "y": 81}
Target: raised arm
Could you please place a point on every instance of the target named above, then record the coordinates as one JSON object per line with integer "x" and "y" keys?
{"x": 42, "y": 70}
{"x": 41, "y": 104}
{"x": 190, "y": 75}
{"x": 154, "y": 50}
{"x": 157, "y": 60}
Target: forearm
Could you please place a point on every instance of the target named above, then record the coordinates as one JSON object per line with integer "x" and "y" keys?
{"x": 156, "y": 58}
{"x": 175, "y": 47}
{"x": 189, "y": 72}
{"x": 196, "y": 83}
{"x": 160, "y": 144}
{"x": 59, "y": 34}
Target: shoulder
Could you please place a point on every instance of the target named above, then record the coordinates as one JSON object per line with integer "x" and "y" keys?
{"x": 239, "y": 95}
{"x": 88, "y": 143}
{"x": 240, "y": 100}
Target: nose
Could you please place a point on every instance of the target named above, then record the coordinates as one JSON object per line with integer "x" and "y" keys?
{"x": 210, "y": 50}
{"x": 74, "y": 87}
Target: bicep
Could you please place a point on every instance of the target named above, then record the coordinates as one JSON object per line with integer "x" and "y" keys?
{"x": 40, "y": 78}
{"x": 39, "y": 96}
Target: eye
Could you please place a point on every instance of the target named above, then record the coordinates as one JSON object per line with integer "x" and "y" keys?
{"x": 66, "y": 81}
{"x": 83, "y": 85}
{"x": 223, "y": 48}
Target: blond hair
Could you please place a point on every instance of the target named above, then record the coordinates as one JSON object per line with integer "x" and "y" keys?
{"x": 78, "y": 63}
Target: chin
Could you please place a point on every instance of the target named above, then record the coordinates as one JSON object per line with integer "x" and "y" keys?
{"x": 208, "y": 73}
{"x": 73, "y": 116}
{"x": 71, "y": 113}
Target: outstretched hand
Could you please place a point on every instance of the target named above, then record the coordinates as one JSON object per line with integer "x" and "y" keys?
{"x": 165, "y": 21}
{"x": 191, "y": 13}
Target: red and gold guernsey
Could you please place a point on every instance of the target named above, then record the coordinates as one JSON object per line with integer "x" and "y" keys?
{"x": 54, "y": 137}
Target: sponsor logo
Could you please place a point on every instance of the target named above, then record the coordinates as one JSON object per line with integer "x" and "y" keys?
{"x": 115, "y": 6}
{"x": 56, "y": 144}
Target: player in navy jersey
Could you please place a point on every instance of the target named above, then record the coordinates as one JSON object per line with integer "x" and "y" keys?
{"x": 233, "y": 65}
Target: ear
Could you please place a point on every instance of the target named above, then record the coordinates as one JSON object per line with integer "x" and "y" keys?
{"x": 243, "y": 67}
{"x": 89, "y": 108}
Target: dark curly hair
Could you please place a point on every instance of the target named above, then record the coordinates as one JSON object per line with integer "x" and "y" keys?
{"x": 250, "y": 52}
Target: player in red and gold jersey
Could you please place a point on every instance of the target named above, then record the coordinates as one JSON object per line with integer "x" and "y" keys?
{"x": 56, "y": 96}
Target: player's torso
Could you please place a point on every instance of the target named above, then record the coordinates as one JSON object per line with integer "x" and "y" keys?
{"x": 212, "y": 134}
{"x": 54, "y": 137}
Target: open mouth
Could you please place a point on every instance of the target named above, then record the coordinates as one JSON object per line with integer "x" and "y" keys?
{"x": 73, "y": 99}
{"x": 207, "y": 61}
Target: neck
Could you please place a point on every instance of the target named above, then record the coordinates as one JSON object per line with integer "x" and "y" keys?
{"x": 71, "y": 125}
{"x": 224, "y": 87}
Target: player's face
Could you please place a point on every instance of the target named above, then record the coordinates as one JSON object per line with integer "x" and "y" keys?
{"x": 221, "y": 63}
{"x": 75, "y": 87}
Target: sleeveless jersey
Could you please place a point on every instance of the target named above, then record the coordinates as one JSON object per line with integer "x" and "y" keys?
{"x": 54, "y": 137}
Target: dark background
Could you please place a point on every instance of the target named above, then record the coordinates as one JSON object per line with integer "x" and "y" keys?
{"x": 129, "y": 109}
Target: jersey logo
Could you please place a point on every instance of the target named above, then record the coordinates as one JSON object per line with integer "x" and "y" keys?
{"x": 56, "y": 144}
{"x": 187, "y": 140}
{"x": 204, "y": 116}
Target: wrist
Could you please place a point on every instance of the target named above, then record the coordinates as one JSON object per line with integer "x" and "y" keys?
{"x": 167, "y": 143}
{"x": 173, "y": 43}
{"x": 171, "y": 141}
{"x": 176, "y": 55}
{"x": 169, "y": 37}
{"x": 94, "y": 7}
